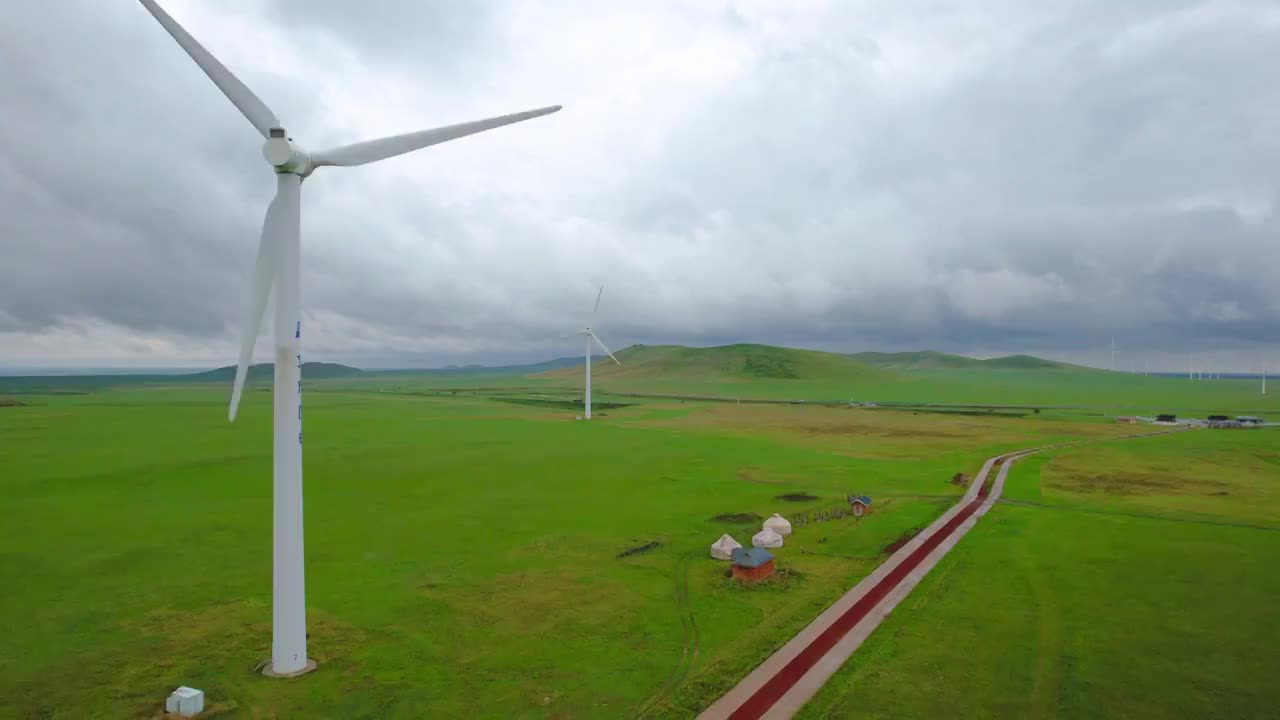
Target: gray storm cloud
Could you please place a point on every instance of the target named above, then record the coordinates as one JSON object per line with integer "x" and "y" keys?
{"x": 1001, "y": 177}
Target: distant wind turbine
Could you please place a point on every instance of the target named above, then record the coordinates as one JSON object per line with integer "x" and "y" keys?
{"x": 1113, "y": 353}
{"x": 278, "y": 265}
{"x": 591, "y": 335}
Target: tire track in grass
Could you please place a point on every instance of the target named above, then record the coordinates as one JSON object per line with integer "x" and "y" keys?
{"x": 689, "y": 644}
{"x": 924, "y": 596}
{"x": 1047, "y": 679}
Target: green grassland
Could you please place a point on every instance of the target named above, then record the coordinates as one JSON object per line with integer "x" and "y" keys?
{"x": 1139, "y": 585}
{"x": 474, "y": 552}
{"x": 463, "y": 553}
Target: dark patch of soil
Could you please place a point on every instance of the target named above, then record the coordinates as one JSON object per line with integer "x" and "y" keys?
{"x": 565, "y": 404}
{"x": 10, "y": 402}
{"x": 959, "y": 479}
{"x": 1131, "y": 484}
{"x": 752, "y": 474}
{"x": 796, "y": 497}
{"x": 639, "y": 549}
{"x": 869, "y": 430}
{"x": 737, "y": 517}
{"x": 979, "y": 413}
{"x": 893, "y": 547}
{"x": 782, "y": 579}
{"x": 1220, "y": 492}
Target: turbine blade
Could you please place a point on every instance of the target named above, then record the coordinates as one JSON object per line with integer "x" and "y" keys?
{"x": 597, "y": 306}
{"x": 237, "y": 92}
{"x": 383, "y": 148}
{"x": 605, "y": 349}
{"x": 264, "y": 272}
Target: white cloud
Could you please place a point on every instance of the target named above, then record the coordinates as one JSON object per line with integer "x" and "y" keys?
{"x": 835, "y": 174}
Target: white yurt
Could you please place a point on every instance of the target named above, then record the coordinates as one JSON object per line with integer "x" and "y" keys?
{"x": 778, "y": 524}
{"x": 767, "y": 538}
{"x": 724, "y": 547}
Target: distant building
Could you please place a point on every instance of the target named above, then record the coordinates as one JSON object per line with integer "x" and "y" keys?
{"x": 859, "y": 505}
{"x": 1129, "y": 419}
{"x": 753, "y": 564}
{"x": 1166, "y": 418}
{"x": 1249, "y": 419}
{"x": 1218, "y": 418}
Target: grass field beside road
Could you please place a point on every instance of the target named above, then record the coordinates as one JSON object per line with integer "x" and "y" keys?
{"x": 462, "y": 553}
{"x": 1082, "y": 608}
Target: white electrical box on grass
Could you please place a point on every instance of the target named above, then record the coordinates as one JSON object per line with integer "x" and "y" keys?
{"x": 185, "y": 701}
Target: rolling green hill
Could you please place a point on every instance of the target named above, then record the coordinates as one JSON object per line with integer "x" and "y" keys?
{"x": 933, "y": 360}
{"x": 772, "y": 373}
{"x": 727, "y": 363}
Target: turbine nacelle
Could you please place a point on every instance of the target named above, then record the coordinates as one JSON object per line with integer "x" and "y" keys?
{"x": 284, "y": 155}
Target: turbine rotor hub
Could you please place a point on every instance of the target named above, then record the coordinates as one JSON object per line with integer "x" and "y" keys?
{"x": 284, "y": 155}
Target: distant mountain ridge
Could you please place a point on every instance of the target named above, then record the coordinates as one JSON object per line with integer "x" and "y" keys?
{"x": 264, "y": 371}
{"x": 322, "y": 370}
{"x": 934, "y": 360}
{"x": 740, "y": 362}
{"x": 526, "y": 369}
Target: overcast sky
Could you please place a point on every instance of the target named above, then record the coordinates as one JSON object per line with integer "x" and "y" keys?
{"x": 983, "y": 177}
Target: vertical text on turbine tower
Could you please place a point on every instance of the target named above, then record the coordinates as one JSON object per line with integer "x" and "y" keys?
{"x": 297, "y": 335}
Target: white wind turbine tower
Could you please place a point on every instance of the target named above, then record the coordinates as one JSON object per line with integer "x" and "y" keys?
{"x": 591, "y": 335}
{"x": 277, "y": 265}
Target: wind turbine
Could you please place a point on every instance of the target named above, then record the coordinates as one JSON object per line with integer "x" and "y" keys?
{"x": 591, "y": 335}
{"x": 277, "y": 265}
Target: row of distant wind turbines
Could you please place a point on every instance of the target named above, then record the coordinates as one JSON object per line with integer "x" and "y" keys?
{"x": 277, "y": 266}
{"x": 1192, "y": 373}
